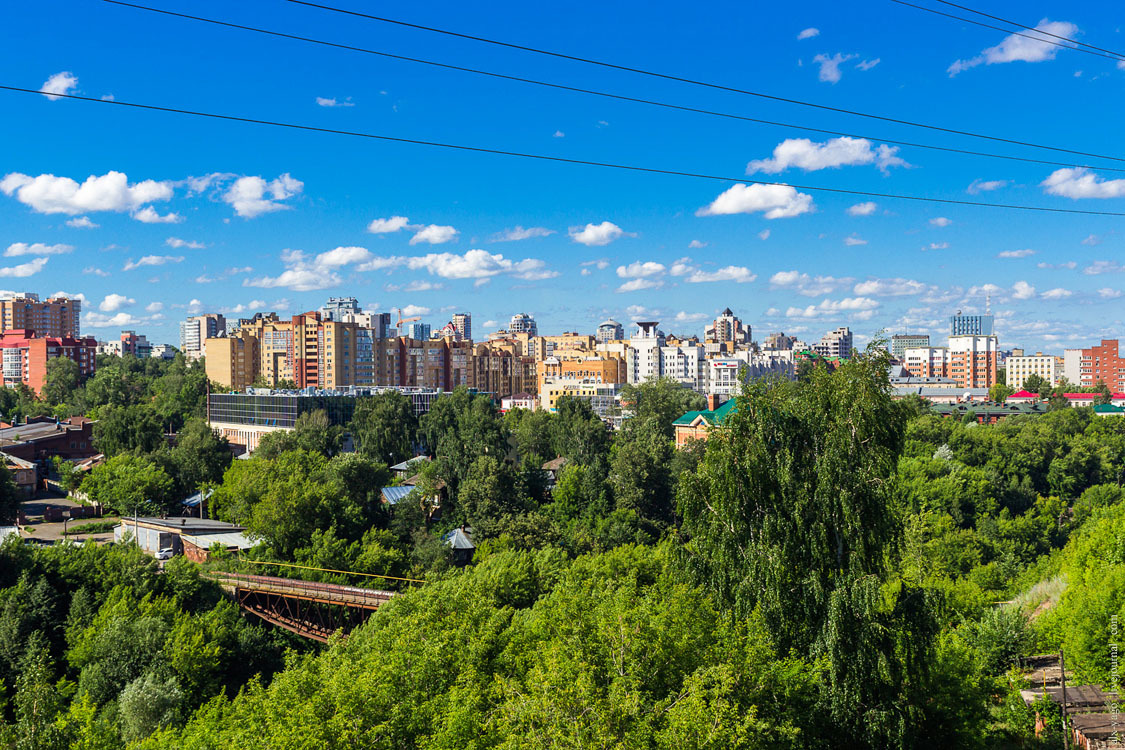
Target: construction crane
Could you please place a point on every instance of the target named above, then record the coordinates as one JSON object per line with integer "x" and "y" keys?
{"x": 401, "y": 320}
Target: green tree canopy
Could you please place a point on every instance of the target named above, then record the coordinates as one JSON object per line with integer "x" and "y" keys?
{"x": 384, "y": 427}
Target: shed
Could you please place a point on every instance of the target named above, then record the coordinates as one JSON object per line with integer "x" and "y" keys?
{"x": 197, "y": 547}
{"x": 395, "y": 495}
{"x": 408, "y": 467}
{"x": 461, "y": 541}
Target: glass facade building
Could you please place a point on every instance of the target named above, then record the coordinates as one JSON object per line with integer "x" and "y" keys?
{"x": 280, "y": 409}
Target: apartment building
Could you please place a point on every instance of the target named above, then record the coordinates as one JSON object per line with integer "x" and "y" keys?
{"x": 1020, "y": 368}
{"x": 499, "y": 369}
{"x": 727, "y": 329}
{"x": 234, "y": 361}
{"x": 463, "y": 324}
{"x": 195, "y": 331}
{"x": 523, "y": 323}
{"x": 837, "y": 343}
{"x": 974, "y": 361}
{"x": 24, "y": 356}
{"x": 900, "y": 342}
{"x": 57, "y": 317}
{"x": 1102, "y": 363}
{"x": 137, "y": 345}
{"x": 926, "y": 361}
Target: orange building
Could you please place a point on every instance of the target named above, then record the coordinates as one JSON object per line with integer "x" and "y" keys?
{"x": 57, "y": 317}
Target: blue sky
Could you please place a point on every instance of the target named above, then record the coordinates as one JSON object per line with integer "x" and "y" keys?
{"x": 152, "y": 215}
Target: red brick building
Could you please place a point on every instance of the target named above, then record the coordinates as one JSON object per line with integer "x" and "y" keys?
{"x": 1103, "y": 363}
{"x": 24, "y": 356}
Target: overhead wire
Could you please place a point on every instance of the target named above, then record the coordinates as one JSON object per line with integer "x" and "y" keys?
{"x": 1030, "y": 28}
{"x": 604, "y": 94}
{"x": 693, "y": 81}
{"x": 935, "y": 11}
{"x": 556, "y": 159}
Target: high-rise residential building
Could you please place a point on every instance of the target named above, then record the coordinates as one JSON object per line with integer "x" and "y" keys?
{"x": 652, "y": 355}
{"x": 196, "y": 330}
{"x": 974, "y": 361}
{"x": 837, "y": 343}
{"x": 971, "y": 325}
{"x": 610, "y": 330}
{"x": 1019, "y": 369}
{"x": 1072, "y": 366}
{"x": 136, "y": 345}
{"x": 24, "y": 356}
{"x": 338, "y": 307}
{"x": 727, "y": 329}
{"x": 500, "y": 369}
{"x": 416, "y": 330}
{"x": 926, "y": 361}
{"x": 1102, "y": 363}
{"x": 523, "y": 323}
{"x": 322, "y": 353}
{"x": 234, "y": 360}
{"x": 57, "y": 317}
{"x": 463, "y": 322}
{"x": 900, "y": 342}
{"x": 778, "y": 342}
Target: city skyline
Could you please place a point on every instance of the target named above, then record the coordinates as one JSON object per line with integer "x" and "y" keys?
{"x": 237, "y": 219}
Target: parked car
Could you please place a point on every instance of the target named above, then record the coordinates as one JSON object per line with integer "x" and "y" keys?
{"x": 164, "y": 554}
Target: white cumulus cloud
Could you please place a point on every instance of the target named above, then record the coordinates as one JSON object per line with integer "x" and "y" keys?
{"x": 23, "y": 270}
{"x": 152, "y": 260}
{"x": 149, "y": 215}
{"x": 59, "y": 83}
{"x": 178, "y": 243}
{"x": 252, "y": 196}
{"x": 114, "y": 302}
{"x": 1020, "y": 47}
{"x": 517, "y": 233}
{"x": 386, "y": 226}
{"x": 637, "y": 285}
{"x": 852, "y": 241}
{"x": 333, "y": 102}
{"x": 1057, "y": 293}
{"x": 984, "y": 186}
{"x": 82, "y": 222}
{"x": 1080, "y": 182}
{"x": 828, "y": 307}
{"x": 941, "y": 221}
{"x": 831, "y": 154}
{"x": 862, "y": 209}
{"x": 830, "y": 66}
{"x": 896, "y": 287}
{"x": 639, "y": 269}
{"x": 1023, "y": 290}
{"x": 1015, "y": 253}
{"x": 597, "y": 235}
{"x": 37, "y": 248}
{"x": 808, "y": 33}
{"x": 434, "y": 234}
{"x": 738, "y": 274}
{"x": 48, "y": 194}
{"x": 775, "y": 201}
{"x": 809, "y": 286}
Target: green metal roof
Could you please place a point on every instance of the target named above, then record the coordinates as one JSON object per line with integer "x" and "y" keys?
{"x": 712, "y": 418}
{"x": 1108, "y": 409}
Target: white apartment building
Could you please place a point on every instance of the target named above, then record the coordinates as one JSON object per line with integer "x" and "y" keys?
{"x": 837, "y": 343}
{"x": 724, "y": 376}
{"x": 1047, "y": 366}
{"x": 196, "y": 330}
{"x": 648, "y": 357}
{"x": 1072, "y": 366}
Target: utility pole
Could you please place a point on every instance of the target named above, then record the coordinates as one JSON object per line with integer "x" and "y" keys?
{"x": 1062, "y": 678}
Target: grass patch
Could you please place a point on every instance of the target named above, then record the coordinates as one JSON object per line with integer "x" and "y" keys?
{"x": 97, "y": 527}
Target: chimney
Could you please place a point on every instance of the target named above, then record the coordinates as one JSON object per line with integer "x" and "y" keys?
{"x": 714, "y": 401}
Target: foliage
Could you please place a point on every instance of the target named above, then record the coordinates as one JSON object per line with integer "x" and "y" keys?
{"x": 128, "y": 485}
{"x": 385, "y": 427}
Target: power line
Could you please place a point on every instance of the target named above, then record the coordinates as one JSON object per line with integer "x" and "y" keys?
{"x": 1111, "y": 56}
{"x": 1030, "y": 28}
{"x": 696, "y": 82}
{"x": 607, "y": 95}
{"x": 558, "y": 159}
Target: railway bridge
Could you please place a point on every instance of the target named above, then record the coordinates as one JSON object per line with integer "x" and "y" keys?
{"x": 308, "y": 608}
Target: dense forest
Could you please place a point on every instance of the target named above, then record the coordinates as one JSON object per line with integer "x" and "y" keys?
{"x": 830, "y": 569}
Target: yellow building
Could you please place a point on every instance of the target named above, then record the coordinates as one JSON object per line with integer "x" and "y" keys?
{"x": 594, "y": 369}
{"x": 233, "y": 361}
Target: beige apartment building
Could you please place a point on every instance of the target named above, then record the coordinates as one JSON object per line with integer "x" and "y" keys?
{"x": 57, "y": 317}
{"x": 1046, "y": 366}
